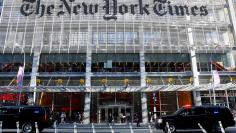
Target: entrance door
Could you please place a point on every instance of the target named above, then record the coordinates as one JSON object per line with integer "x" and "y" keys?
{"x": 119, "y": 114}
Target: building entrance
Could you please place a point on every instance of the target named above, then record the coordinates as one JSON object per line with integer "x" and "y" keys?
{"x": 120, "y": 105}
{"x": 119, "y": 113}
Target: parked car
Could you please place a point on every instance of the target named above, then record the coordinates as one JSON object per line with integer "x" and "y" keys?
{"x": 26, "y": 116}
{"x": 188, "y": 117}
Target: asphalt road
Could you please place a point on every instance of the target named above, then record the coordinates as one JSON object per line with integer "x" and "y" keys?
{"x": 228, "y": 130}
{"x": 116, "y": 129}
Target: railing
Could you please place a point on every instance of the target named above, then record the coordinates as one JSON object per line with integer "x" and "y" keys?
{"x": 116, "y": 83}
{"x": 116, "y": 69}
{"x": 168, "y": 69}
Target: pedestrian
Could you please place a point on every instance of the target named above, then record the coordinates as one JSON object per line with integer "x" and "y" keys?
{"x": 63, "y": 116}
{"x": 152, "y": 119}
{"x": 110, "y": 119}
{"x": 137, "y": 119}
{"x": 56, "y": 117}
{"x": 77, "y": 117}
{"x": 121, "y": 117}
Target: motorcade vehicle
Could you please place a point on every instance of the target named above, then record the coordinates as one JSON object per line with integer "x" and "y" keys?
{"x": 189, "y": 117}
{"x": 26, "y": 116}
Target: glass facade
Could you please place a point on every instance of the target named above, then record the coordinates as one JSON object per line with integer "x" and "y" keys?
{"x": 121, "y": 62}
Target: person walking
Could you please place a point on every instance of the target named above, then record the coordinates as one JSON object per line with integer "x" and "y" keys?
{"x": 77, "y": 117}
{"x": 63, "y": 116}
{"x": 82, "y": 118}
{"x": 110, "y": 119}
{"x": 137, "y": 119}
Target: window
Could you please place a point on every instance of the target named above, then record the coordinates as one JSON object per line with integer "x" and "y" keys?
{"x": 111, "y": 37}
{"x": 198, "y": 111}
{"x": 120, "y": 37}
{"x": 186, "y": 112}
{"x": 147, "y": 37}
{"x": 102, "y": 37}
{"x": 3, "y": 111}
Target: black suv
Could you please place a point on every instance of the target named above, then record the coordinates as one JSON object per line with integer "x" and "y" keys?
{"x": 188, "y": 118}
{"x": 26, "y": 116}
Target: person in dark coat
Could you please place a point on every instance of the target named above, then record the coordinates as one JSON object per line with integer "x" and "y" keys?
{"x": 137, "y": 119}
{"x": 110, "y": 119}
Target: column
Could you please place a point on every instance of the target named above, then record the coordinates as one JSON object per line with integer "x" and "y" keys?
{"x": 143, "y": 77}
{"x": 231, "y": 12}
{"x": 230, "y": 58}
{"x": 87, "y": 108}
{"x": 36, "y": 45}
{"x": 193, "y": 58}
{"x": 99, "y": 115}
{"x": 106, "y": 114}
{"x": 119, "y": 112}
{"x": 34, "y": 73}
{"x": 87, "y": 100}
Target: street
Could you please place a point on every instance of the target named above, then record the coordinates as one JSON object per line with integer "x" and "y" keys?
{"x": 69, "y": 128}
{"x": 126, "y": 130}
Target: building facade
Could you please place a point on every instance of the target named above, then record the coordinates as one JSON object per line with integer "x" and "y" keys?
{"x": 118, "y": 57}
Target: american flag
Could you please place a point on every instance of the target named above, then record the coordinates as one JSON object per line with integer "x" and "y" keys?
{"x": 20, "y": 76}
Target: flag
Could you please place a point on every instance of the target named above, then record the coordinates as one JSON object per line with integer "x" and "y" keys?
{"x": 20, "y": 76}
{"x": 216, "y": 77}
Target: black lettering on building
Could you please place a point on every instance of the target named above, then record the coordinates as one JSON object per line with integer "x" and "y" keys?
{"x": 123, "y": 9}
{"x": 203, "y": 10}
{"x": 143, "y": 8}
{"x": 182, "y": 10}
{"x": 106, "y": 7}
{"x": 132, "y": 8}
{"x": 93, "y": 9}
{"x": 193, "y": 10}
{"x": 85, "y": 8}
{"x": 76, "y": 9}
{"x": 110, "y": 8}
{"x": 40, "y": 9}
{"x": 26, "y": 8}
{"x": 49, "y": 9}
{"x": 159, "y": 9}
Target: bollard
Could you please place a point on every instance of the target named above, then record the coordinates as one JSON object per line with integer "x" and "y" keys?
{"x": 17, "y": 127}
{"x": 55, "y": 127}
{"x": 75, "y": 127}
{"x": 0, "y": 126}
{"x": 112, "y": 131}
{"x": 36, "y": 127}
{"x": 203, "y": 130}
{"x": 131, "y": 128}
{"x": 150, "y": 127}
{"x": 93, "y": 128}
{"x": 221, "y": 127}
{"x": 168, "y": 127}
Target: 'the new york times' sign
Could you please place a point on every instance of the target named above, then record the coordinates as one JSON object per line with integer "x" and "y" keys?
{"x": 111, "y": 8}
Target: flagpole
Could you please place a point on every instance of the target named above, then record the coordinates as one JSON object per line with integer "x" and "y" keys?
{"x": 21, "y": 84}
{"x": 213, "y": 89}
{"x": 22, "y": 81}
{"x": 214, "y": 80}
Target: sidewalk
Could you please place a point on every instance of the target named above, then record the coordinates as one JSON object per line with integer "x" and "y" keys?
{"x": 104, "y": 126}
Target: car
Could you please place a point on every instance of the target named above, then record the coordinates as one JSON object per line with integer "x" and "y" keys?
{"x": 188, "y": 117}
{"x": 26, "y": 116}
